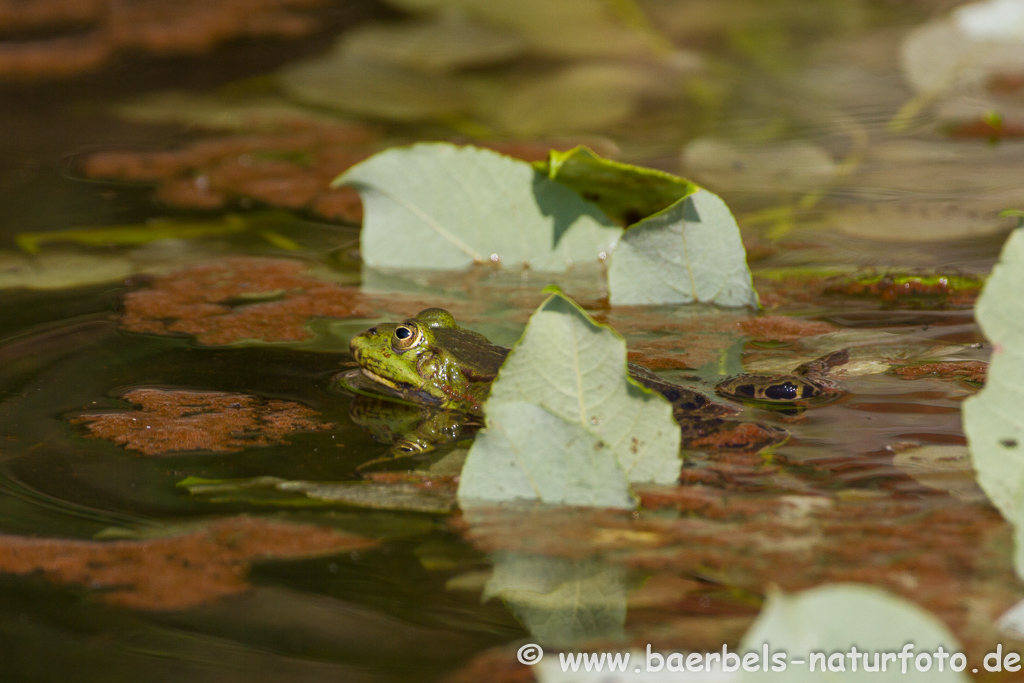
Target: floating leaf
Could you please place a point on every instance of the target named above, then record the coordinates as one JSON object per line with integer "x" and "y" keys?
{"x": 529, "y": 453}
{"x": 219, "y": 112}
{"x": 784, "y": 166}
{"x": 578, "y": 97}
{"x": 683, "y": 245}
{"x": 690, "y": 252}
{"x": 350, "y": 83}
{"x": 586, "y": 414}
{"x": 994, "y": 418}
{"x": 61, "y": 270}
{"x": 975, "y": 42}
{"x": 442, "y": 43}
{"x": 441, "y": 206}
{"x": 561, "y": 602}
{"x": 834, "y": 618}
{"x": 624, "y": 192}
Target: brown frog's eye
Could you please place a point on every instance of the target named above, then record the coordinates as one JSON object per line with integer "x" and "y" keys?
{"x": 405, "y": 337}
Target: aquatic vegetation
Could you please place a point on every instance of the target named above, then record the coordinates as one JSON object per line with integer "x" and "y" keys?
{"x": 175, "y": 571}
{"x": 239, "y": 299}
{"x": 192, "y": 27}
{"x": 968, "y": 371}
{"x": 909, "y": 289}
{"x": 171, "y": 421}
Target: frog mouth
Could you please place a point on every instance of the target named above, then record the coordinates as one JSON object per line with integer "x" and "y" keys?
{"x": 378, "y": 379}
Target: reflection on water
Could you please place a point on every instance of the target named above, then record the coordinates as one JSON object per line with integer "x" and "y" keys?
{"x": 839, "y": 132}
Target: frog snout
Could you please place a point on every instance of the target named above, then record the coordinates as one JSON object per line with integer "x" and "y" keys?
{"x": 354, "y": 348}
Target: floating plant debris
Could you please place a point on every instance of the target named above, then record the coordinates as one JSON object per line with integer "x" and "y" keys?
{"x": 240, "y": 298}
{"x": 172, "y": 572}
{"x": 174, "y": 421}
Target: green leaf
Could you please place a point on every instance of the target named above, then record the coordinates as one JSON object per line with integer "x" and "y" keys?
{"x": 690, "y": 252}
{"x": 561, "y": 602}
{"x": 683, "y": 244}
{"x": 61, "y": 270}
{"x": 564, "y": 418}
{"x": 833, "y": 618}
{"x": 994, "y": 418}
{"x": 441, "y": 206}
{"x": 624, "y": 192}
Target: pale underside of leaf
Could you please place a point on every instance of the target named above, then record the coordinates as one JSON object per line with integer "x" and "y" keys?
{"x": 690, "y": 252}
{"x": 439, "y": 206}
{"x": 577, "y": 370}
{"x": 994, "y": 418}
{"x": 833, "y": 618}
{"x": 527, "y": 453}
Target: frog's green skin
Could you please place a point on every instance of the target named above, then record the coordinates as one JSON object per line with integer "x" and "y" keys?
{"x": 430, "y": 360}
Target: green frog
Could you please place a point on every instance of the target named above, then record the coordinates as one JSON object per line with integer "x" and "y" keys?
{"x": 429, "y": 360}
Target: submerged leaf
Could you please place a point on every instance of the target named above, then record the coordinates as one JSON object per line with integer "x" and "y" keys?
{"x": 440, "y": 206}
{"x": 120, "y": 235}
{"x": 61, "y": 270}
{"x": 831, "y": 619}
{"x": 579, "y": 97}
{"x": 994, "y": 418}
{"x": 780, "y": 167}
{"x": 588, "y": 422}
{"x": 438, "y": 44}
{"x": 347, "y": 82}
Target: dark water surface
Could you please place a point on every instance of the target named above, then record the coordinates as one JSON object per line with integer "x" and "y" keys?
{"x": 797, "y": 103}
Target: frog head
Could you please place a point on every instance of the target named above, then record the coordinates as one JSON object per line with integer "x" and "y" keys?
{"x": 430, "y": 359}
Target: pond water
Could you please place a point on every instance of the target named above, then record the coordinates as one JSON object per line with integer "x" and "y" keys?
{"x": 183, "y": 488}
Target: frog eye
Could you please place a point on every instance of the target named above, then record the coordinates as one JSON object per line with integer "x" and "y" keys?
{"x": 787, "y": 391}
{"x": 405, "y": 337}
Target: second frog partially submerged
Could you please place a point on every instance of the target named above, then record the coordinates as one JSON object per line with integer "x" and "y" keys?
{"x": 431, "y": 361}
